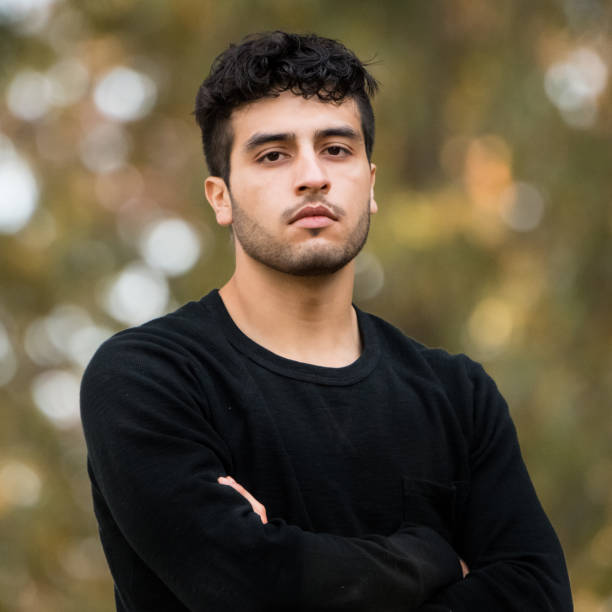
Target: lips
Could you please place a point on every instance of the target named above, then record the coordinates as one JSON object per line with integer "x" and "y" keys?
{"x": 313, "y": 211}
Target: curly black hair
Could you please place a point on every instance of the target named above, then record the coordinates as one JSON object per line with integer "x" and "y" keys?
{"x": 268, "y": 63}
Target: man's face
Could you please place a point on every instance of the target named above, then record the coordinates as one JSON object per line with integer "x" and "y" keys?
{"x": 300, "y": 184}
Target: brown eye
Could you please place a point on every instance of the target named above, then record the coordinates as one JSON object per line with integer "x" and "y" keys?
{"x": 337, "y": 151}
{"x": 271, "y": 157}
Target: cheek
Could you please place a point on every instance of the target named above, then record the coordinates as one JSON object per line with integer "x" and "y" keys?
{"x": 243, "y": 187}
{"x": 360, "y": 174}
{"x": 357, "y": 183}
{"x": 259, "y": 197}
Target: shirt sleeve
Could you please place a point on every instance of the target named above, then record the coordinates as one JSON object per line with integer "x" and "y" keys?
{"x": 515, "y": 559}
{"x": 154, "y": 459}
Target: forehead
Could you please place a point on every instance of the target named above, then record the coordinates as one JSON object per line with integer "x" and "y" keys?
{"x": 291, "y": 113}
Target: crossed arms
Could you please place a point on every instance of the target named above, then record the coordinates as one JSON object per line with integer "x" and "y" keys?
{"x": 155, "y": 461}
{"x": 260, "y": 510}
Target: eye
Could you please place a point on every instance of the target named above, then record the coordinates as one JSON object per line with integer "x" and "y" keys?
{"x": 271, "y": 157}
{"x": 337, "y": 151}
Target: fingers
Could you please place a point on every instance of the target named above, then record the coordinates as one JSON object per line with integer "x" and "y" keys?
{"x": 465, "y": 570}
{"x": 258, "y": 507}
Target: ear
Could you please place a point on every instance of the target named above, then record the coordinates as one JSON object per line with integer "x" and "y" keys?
{"x": 218, "y": 196}
{"x": 373, "y": 204}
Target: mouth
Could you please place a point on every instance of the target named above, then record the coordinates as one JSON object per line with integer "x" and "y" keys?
{"x": 314, "y": 214}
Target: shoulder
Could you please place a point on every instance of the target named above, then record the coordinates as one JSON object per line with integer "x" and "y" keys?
{"x": 161, "y": 347}
{"x": 461, "y": 383}
{"x": 163, "y": 366}
{"x": 407, "y": 352}
{"x": 179, "y": 329}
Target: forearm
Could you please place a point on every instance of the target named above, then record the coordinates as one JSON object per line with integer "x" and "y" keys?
{"x": 507, "y": 587}
{"x": 229, "y": 560}
{"x": 375, "y": 573}
{"x": 515, "y": 559}
{"x": 407, "y": 554}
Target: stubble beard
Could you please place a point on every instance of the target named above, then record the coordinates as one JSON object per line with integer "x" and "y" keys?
{"x": 301, "y": 259}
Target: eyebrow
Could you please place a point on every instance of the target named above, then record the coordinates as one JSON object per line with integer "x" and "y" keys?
{"x": 342, "y": 132}
{"x": 261, "y": 138}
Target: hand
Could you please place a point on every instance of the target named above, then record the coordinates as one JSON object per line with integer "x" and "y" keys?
{"x": 465, "y": 570}
{"x": 258, "y": 507}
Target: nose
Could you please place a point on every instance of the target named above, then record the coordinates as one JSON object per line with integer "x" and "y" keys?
{"x": 311, "y": 176}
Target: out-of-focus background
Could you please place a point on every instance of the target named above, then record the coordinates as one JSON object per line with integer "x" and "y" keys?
{"x": 494, "y": 235}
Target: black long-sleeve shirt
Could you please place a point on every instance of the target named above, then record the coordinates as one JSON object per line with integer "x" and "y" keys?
{"x": 376, "y": 477}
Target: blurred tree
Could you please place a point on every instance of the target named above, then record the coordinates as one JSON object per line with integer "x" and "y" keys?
{"x": 493, "y": 153}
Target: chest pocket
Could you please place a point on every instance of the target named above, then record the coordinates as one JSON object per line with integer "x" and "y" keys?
{"x": 433, "y": 504}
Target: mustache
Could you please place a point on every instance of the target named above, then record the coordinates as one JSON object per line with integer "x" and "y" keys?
{"x": 338, "y": 211}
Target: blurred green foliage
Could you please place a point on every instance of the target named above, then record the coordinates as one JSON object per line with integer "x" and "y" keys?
{"x": 494, "y": 235}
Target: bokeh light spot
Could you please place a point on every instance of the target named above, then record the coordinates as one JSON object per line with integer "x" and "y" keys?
{"x": 521, "y": 206}
{"x": 573, "y": 86}
{"x": 85, "y": 341}
{"x": 39, "y": 346}
{"x": 105, "y": 148}
{"x": 69, "y": 79}
{"x": 137, "y": 294}
{"x": 56, "y": 395}
{"x": 66, "y": 333}
{"x": 19, "y": 484}
{"x": 29, "y": 95}
{"x": 487, "y": 170}
{"x": 490, "y": 327}
{"x": 29, "y": 14}
{"x": 171, "y": 246}
{"x": 18, "y": 189}
{"x": 124, "y": 94}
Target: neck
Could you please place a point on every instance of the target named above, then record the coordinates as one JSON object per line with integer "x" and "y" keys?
{"x": 307, "y": 319}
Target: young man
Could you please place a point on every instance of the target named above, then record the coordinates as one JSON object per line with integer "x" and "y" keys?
{"x": 271, "y": 447}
